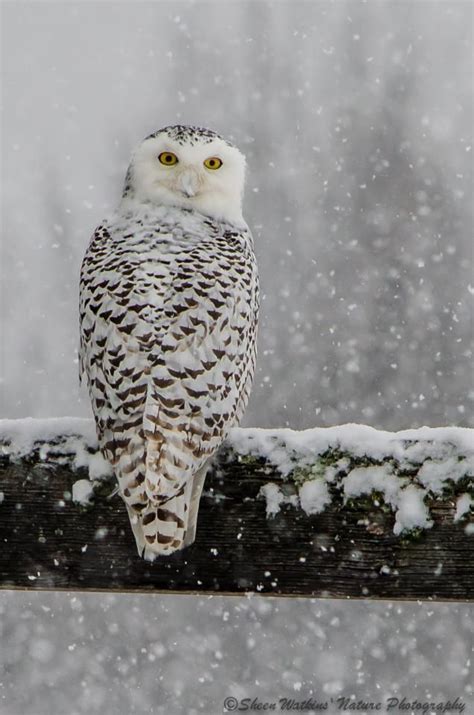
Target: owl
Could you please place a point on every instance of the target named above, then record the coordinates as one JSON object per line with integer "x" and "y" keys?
{"x": 168, "y": 319}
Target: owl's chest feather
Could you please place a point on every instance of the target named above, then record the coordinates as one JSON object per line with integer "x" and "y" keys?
{"x": 139, "y": 272}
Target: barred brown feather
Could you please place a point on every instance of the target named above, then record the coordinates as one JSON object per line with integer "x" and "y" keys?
{"x": 168, "y": 315}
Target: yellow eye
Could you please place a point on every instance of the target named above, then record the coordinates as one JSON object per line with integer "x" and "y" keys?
{"x": 213, "y": 163}
{"x": 168, "y": 158}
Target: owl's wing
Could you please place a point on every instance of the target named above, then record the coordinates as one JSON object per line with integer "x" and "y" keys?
{"x": 201, "y": 369}
{"x": 114, "y": 339}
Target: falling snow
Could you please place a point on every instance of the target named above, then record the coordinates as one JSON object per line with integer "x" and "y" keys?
{"x": 356, "y": 119}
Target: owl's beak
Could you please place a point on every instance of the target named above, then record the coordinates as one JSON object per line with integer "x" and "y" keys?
{"x": 188, "y": 183}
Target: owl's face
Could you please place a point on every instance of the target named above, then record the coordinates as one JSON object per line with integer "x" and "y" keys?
{"x": 191, "y": 168}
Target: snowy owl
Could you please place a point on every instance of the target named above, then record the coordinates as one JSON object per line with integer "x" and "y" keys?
{"x": 168, "y": 320}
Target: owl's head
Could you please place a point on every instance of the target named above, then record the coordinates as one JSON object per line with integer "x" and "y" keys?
{"x": 191, "y": 168}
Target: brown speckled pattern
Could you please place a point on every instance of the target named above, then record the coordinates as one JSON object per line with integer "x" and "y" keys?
{"x": 168, "y": 312}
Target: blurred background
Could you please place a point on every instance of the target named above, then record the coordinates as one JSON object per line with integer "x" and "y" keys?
{"x": 356, "y": 119}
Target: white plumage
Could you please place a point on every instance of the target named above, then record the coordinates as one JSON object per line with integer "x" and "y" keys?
{"x": 168, "y": 312}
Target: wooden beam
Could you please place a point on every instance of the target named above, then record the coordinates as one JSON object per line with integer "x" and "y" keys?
{"x": 348, "y": 550}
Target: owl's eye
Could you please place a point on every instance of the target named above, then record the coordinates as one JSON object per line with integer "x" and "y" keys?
{"x": 213, "y": 163}
{"x": 168, "y": 158}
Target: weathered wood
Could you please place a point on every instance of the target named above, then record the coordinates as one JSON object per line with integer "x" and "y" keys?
{"x": 348, "y": 550}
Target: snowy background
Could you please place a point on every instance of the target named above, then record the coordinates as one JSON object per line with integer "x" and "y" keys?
{"x": 356, "y": 119}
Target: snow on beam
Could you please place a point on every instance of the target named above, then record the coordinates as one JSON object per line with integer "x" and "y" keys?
{"x": 345, "y": 511}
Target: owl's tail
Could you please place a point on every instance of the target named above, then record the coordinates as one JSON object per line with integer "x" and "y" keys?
{"x": 161, "y": 500}
{"x": 162, "y": 528}
{"x": 160, "y": 489}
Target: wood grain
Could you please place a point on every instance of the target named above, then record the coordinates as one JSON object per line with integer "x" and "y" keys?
{"x": 49, "y": 542}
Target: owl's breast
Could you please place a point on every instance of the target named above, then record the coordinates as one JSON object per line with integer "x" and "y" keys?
{"x": 147, "y": 272}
